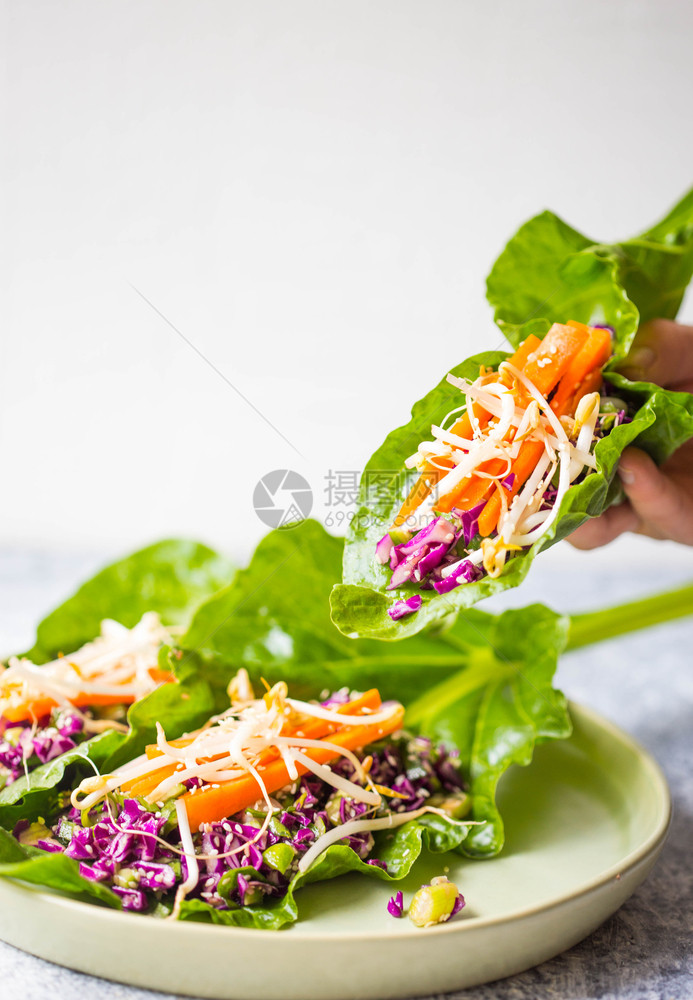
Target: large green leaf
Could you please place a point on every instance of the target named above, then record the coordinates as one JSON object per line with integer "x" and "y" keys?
{"x": 170, "y": 577}
{"x": 498, "y": 708}
{"x": 274, "y": 620}
{"x": 547, "y": 272}
{"x": 485, "y": 669}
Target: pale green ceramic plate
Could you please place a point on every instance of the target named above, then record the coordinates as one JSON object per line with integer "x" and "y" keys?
{"x": 585, "y": 823}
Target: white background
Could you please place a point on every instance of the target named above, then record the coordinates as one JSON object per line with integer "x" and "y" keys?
{"x": 312, "y": 193}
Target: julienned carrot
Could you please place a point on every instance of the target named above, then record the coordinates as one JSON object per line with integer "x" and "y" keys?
{"x": 143, "y": 786}
{"x": 310, "y": 727}
{"x": 529, "y": 454}
{"x": 592, "y": 382}
{"x": 421, "y": 488}
{"x": 524, "y": 464}
{"x": 520, "y": 357}
{"x": 210, "y": 804}
{"x": 431, "y": 474}
{"x": 545, "y": 363}
{"x": 160, "y": 676}
{"x": 369, "y": 700}
{"x": 586, "y": 368}
{"x": 32, "y": 711}
{"x": 594, "y": 353}
{"x": 463, "y": 426}
{"x": 472, "y": 490}
{"x": 550, "y": 361}
{"x": 38, "y": 708}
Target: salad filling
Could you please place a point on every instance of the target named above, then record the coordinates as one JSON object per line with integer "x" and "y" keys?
{"x": 492, "y": 482}
{"x": 48, "y": 709}
{"x": 231, "y": 814}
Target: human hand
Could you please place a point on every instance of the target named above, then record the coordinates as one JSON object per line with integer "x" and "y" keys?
{"x": 659, "y": 500}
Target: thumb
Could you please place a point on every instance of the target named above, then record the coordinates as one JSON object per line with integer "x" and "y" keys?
{"x": 664, "y": 510}
{"x": 662, "y": 352}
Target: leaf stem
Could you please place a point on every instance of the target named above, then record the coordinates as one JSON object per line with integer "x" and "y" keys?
{"x": 596, "y": 626}
{"x": 483, "y": 668}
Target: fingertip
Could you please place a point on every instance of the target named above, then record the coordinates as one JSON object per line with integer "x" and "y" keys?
{"x": 661, "y": 352}
{"x": 599, "y": 531}
{"x": 642, "y": 354}
{"x": 637, "y": 471}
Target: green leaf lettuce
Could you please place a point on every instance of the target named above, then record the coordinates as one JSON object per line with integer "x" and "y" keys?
{"x": 485, "y": 685}
{"x": 169, "y": 577}
{"x": 548, "y": 272}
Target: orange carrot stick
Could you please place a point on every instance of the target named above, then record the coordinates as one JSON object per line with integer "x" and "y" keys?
{"x": 521, "y": 356}
{"x": 581, "y": 376}
{"x": 210, "y": 804}
{"x": 37, "y": 708}
{"x": 431, "y": 474}
{"x": 529, "y": 454}
{"x": 472, "y": 490}
{"x": 544, "y": 362}
{"x": 30, "y": 711}
{"x": 310, "y": 727}
{"x": 594, "y": 353}
{"x": 550, "y": 361}
{"x": 527, "y": 458}
{"x": 421, "y": 488}
{"x": 463, "y": 426}
{"x": 592, "y": 382}
{"x": 146, "y": 784}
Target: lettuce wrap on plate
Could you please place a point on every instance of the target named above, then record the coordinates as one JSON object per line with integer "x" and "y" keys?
{"x": 227, "y": 822}
{"x": 96, "y": 655}
{"x": 476, "y": 701}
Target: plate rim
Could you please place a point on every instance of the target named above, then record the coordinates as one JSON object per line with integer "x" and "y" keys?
{"x": 628, "y": 863}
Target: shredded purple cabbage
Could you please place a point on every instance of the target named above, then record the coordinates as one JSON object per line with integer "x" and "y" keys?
{"x": 24, "y": 747}
{"x": 459, "y": 904}
{"x": 340, "y": 697}
{"x": 120, "y": 849}
{"x": 401, "y": 608}
{"x": 466, "y": 572}
{"x": 395, "y": 905}
{"x": 383, "y": 549}
{"x": 469, "y": 520}
{"x": 51, "y": 846}
{"x": 428, "y": 546}
{"x": 428, "y": 553}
